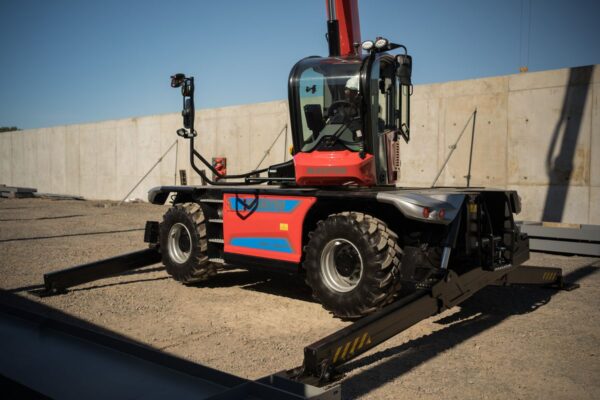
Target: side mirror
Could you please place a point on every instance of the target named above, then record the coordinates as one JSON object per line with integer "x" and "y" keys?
{"x": 187, "y": 88}
{"x": 177, "y": 80}
{"x": 404, "y": 69}
{"x": 188, "y": 114}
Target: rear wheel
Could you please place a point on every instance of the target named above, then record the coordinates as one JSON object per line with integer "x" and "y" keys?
{"x": 352, "y": 262}
{"x": 183, "y": 244}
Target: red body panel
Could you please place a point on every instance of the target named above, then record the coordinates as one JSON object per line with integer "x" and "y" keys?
{"x": 334, "y": 168}
{"x": 349, "y": 24}
{"x": 265, "y": 226}
{"x": 391, "y": 146}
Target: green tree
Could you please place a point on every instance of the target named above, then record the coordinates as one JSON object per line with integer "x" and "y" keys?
{"x": 8, "y": 128}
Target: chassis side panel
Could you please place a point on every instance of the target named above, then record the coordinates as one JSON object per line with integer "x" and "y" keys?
{"x": 265, "y": 226}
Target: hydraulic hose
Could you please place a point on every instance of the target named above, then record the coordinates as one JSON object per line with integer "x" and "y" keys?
{"x": 194, "y": 153}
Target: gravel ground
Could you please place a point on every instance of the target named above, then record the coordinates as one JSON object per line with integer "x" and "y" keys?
{"x": 524, "y": 343}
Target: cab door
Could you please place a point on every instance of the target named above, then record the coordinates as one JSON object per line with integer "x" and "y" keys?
{"x": 385, "y": 118}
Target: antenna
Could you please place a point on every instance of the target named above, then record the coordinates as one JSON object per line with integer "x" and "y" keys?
{"x": 524, "y": 58}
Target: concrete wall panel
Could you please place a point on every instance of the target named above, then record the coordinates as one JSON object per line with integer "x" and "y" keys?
{"x": 534, "y": 198}
{"x": 26, "y": 174}
{"x": 6, "y": 160}
{"x": 594, "y": 212}
{"x": 419, "y": 159}
{"x": 233, "y": 138}
{"x": 58, "y": 160}
{"x": 17, "y": 156}
{"x": 595, "y": 136}
{"x": 148, "y": 140}
{"x": 489, "y": 146}
{"x": 269, "y": 132}
{"x": 106, "y": 155}
{"x": 169, "y": 123}
{"x": 89, "y": 142}
{"x": 43, "y": 156}
{"x": 539, "y": 80}
{"x": 555, "y": 78}
{"x": 474, "y": 87}
{"x": 549, "y": 136}
{"x": 126, "y": 158}
{"x": 72, "y": 165}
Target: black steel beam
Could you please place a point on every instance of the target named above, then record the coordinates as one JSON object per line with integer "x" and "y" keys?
{"x": 539, "y": 276}
{"x": 59, "y": 356}
{"x": 578, "y": 239}
{"x": 348, "y": 343}
{"x": 322, "y": 357}
{"x": 57, "y": 282}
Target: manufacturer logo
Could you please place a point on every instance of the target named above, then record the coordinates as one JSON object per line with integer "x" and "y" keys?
{"x": 326, "y": 170}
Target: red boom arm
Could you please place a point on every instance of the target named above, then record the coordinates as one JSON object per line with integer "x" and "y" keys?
{"x": 346, "y": 12}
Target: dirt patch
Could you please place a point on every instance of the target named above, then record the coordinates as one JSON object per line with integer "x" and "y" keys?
{"x": 502, "y": 343}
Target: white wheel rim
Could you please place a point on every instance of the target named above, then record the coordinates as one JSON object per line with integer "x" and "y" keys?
{"x": 179, "y": 243}
{"x": 341, "y": 265}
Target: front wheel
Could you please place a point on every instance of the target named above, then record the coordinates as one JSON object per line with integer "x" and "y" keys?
{"x": 183, "y": 244}
{"x": 352, "y": 263}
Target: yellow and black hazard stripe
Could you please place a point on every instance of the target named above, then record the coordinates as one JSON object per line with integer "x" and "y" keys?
{"x": 549, "y": 276}
{"x": 346, "y": 351}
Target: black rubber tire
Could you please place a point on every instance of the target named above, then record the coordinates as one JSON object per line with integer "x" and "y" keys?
{"x": 381, "y": 258}
{"x": 197, "y": 267}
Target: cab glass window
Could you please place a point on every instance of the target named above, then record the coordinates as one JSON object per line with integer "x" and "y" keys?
{"x": 329, "y": 99}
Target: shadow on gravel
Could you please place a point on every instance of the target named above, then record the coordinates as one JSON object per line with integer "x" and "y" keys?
{"x": 118, "y": 284}
{"x": 29, "y": 288}
{"x": 290, "y": 286}
{"x": 483, "y": 311}
{"x": 70, "y": 235}
{"x": 36, "y": 288}
{"x": 42, "y": 218}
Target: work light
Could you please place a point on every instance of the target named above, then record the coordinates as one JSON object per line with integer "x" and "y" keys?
{"x": 368, "y": 45}
{"x": 381, "y": 43}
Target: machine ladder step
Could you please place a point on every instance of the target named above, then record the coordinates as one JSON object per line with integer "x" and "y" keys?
{"x": 499, "y": 267}
{"x": 215, "y": 201}
{"x": 217, "y": 260}
{"x": 213, "y": 212}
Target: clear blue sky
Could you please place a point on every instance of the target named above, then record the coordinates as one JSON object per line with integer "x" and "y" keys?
{"x": 66, "y": 62}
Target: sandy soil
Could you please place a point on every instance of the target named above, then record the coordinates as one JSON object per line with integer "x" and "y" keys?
{"x": 503, "y": 343}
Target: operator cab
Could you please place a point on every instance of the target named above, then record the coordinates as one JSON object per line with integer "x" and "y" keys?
{"x": 330, "y": 106}
{"x": 347, "y": 113}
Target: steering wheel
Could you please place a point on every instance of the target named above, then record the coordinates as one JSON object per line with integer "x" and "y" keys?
{"x": 336, "y": 105}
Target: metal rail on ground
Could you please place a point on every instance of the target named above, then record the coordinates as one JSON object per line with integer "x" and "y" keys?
{"x": 49, "y": 354}
{"x": 558, "y": 238}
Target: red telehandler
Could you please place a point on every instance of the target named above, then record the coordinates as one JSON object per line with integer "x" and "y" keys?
{"x": 369, "y": 250}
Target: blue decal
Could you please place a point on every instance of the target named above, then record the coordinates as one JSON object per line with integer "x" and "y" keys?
{"x": 263, "y": 243}
{"x": 264, "y": 205}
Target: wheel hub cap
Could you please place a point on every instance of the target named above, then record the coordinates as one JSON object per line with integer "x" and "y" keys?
{"x": 341, "y": 265}
{"x": 179, "y": 243}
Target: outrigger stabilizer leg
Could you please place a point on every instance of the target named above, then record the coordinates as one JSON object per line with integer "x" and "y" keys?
{"x": 322, "y": 358}
{"x": 59, "y": 281}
